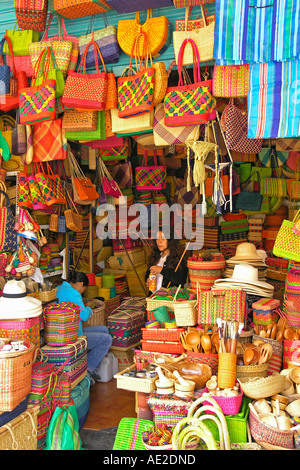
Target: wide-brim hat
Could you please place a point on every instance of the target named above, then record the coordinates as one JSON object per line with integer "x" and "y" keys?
{"x": 245, "y": 274}
{"x": 246, "y": 251}
{"x": 15, "y": 303}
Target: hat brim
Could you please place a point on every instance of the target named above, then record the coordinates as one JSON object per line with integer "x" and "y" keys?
{"x": 260, "y": 284}
{"x": 26, "y": 307}
{"x": 246, "y": 258}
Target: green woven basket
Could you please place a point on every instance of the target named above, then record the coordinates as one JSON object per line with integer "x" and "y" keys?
{"x": 129, "y": 434}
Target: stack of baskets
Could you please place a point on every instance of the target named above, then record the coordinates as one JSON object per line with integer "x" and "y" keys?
{"x": 204, "y": 273}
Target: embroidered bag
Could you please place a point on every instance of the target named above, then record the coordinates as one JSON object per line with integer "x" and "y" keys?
{"x": 150, "y": 177}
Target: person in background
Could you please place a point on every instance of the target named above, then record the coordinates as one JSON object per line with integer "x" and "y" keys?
{"x": 98, "y": 339}
{"x": 164, "y": 260}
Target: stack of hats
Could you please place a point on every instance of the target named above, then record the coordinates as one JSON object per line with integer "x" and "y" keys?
{"x": 255, "y": 229}
{"x": 234, "y": 230}
{"x": 15, "y": 303}
{"x": 245, "y": 277}
{"x": 247, "y": 253}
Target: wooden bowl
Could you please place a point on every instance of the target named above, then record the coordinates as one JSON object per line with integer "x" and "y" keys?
{"x": 293, "y": 409}
{"x": 190, "y": 387}
{"x": 295, "y": 375}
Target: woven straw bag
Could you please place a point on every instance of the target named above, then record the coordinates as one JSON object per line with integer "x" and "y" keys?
{"x": 262, "y": 387}
{"x": 156, "y": 29}
{"x": 203, "y": 37}
{"x": 136, "y": 124}
{"x": 74, "y": 220}
{"x": 31, "y": 14}
{"x": 165, "y": 136}
{"x": 78, "y": 8}
{"x": 230, "y": 81}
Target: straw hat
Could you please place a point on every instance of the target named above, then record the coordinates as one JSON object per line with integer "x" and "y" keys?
{"x": 246, "y": 276}
{"x": 246, "y": 252}
{"x": 15, "y": 303}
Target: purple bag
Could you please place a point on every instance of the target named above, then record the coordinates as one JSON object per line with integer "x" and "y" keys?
{"x": 129, "y": 6}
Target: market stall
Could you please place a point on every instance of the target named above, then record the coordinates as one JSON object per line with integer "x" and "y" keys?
{"x": 119, "y": 119}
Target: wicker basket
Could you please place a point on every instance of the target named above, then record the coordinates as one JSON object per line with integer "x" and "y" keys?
{"x": 134, "y": 384}
{"x": 99, "y": 315}
{"x": 229, "y": 405}
{"x": 47, "y": 295}
{"x": 27, "y": 329}
{"x": 262, "y": 387}
{"x": 21, "y": 432}
{"x": 167, "y": 347}
{"x": 246, "y": 336}
{"x": 263, "y": 433}
{"x": 204, "y": 273}
{"x": 252, "y": 371}
{"x": 162, "y": 334}
{"x": 15, "y": 376}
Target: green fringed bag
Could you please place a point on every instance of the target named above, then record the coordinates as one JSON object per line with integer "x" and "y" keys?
{"x": 63, "y": 430}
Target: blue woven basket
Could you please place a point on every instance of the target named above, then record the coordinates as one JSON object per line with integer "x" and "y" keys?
{"x": 81, "y": 397}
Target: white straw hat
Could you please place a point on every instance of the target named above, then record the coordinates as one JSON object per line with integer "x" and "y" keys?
{"x": 15, "y": 303}
{"x": 247, "y": 276}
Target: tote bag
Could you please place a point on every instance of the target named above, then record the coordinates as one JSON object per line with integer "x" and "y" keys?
{"x": 8, "y": 236}
{"x": 203, "y": 38}
{"x": 287, "y": 242}
{"x": 86, "y": 91}
{"x": 189, "y": 104}
{"x": 49, "y": 142}
{"x": 150, "y": 177}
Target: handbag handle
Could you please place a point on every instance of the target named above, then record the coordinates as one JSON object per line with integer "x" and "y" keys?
{"x": 145, "y": 157}
{"x": 196, "y": 60}
{"x": 188, "y": 12}
{"x": 45, "y": 35}
{"x": 82, "y": 65}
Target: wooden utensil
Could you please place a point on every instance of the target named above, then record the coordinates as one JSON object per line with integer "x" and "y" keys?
{"x": 279, "y": 336}
{"x": 192, "y": 339}
{"x": 273, "y": 331}
{"x": 266, "y": 352}
{"x": 215, "y": 340}
{"x": 206, "y": 343}
{"x": 248, "y": 356}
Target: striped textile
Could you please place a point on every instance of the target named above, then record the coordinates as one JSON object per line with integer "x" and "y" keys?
{"x": 273, "y": 109}
{"x": 248, "y": 31}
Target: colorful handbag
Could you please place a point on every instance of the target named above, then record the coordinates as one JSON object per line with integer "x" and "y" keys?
{"x": 106, "y": 38}
{"x": 288, "y": 145}
{"x": 236, "y": 127}
{"x": 202, "y": 37}
{"x": 4, "y": 71}
{"x": 66, "y": 37}
{"x": 46, "y": 69}
{"x": 189, "y": 25}
{"x": 20, "y": 40}
{"x": 110, "y": 187}
{"x": 135, "y": 91}
{"x": 31, "y": 14}
{"x": 150, "y": 177}
{"x": 184, "y": 196}
{"x": 189, "y": 104}
{"x": 8, "y": 236}
{"x": 79, "y": 8}
{"x": 24, "y": 197}
{"x": 190, "y": 3}
{"x": 49, "y": 184}
{"x": 74, "y": 120}
{"x": 85, "y": 189}
{"x": 86, "y": 136}
{"x": 18, "y": 138}
{"x": 287, "y": 242}
{"x": 274, "y": 187}
{"x": 123, "y": 174}
{"x": 62, "y": 49}
{"x": 230, "y": 81}
{"x": 114, "y": 153}
{"x": 155, "y": 28}
{"x": 164, "y": 136}
{"x": 132, "y": 125}
{"x": 36, "y": 196}
{"x": 77, "y": 84}
{"x": 48, "y": 141}
{"x": 227, "y": 304}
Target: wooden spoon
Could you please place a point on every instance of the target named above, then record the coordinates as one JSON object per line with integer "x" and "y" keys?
{"x": 215, "y": 341}
{"x": 192, "y": 339}
{"x": 248, "y": 356}
{"x": 206, "y": 343}
{"x": 279, "y": 336}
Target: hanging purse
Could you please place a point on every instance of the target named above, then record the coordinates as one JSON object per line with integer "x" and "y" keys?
{"x": 110, "y": 187}
{"x": 49, "y": 142}
{"x": 74, "y": 120}
{"x": 247, "y": 199}
{"x": 79, "y": 8}
{"x": 63, "y": 35}
{"x": 202, "y": 37}
{"x": 83, "y": 185}
{"x": 189, "y": 24}
{"x": 155, "y": 28}
{"x": 61, "y": 48}
{"x": 47, "y": 69}
{"x": 77, "y": 84}
{"x": 86, "y": 136}
{"x": 4, "y": 72}
{"x": 123, "y": 175}
{"x": 31, "y": 15}
{"x": 287, "y": 242}
{"x": 187, "y": 196}
{"x": 230, "y": 81}
{"x": 106, "y": 38}
{"x": 189, "y": 104}
{"x": 236, "y": 126}
{"x": 19, "y": 139}
{"x": 135, "y": 91}
{"x": 8, "y": 236}
{"x": 150, "y": 177}
{"x": 20, "y": 40}
{"x": 114, "y": 152}
{"x": 24, "y": 197}
{"x": 133, "y": 125}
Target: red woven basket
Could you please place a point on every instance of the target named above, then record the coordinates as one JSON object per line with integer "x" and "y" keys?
{"x": 263, "y": 433}
{"x": 162, "y": 334}
{"x": 229, "y": 405}
{"x": 162, "y": 347}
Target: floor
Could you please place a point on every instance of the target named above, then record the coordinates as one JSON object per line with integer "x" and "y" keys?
{"x": 108, "y": 405}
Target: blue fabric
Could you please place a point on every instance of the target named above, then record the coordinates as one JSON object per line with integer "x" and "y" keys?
{"x": 67, "y": 293}
{"x": 99, "y": 342}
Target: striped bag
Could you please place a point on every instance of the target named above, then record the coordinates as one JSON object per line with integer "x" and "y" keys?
{"x": 269, "y": 117}
{"x": 190, "y": 3}
{"x": 230, "y": 81}
{"x": 150, "y": 177}
{"x": 228, "y": 304}
{"x": 259, "y": 31}
{"x": 273, "y": 187}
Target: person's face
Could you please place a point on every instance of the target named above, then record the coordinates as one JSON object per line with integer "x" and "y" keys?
{"x": 161, "y": 241}
{"x": 80, "y": 287}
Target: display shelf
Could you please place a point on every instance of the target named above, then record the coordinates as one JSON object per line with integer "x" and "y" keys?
{"x": 56, "y": 273}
